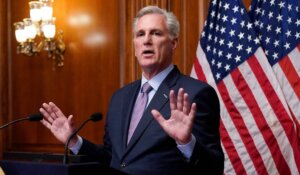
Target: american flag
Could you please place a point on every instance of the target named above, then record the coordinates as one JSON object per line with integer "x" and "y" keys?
{"x": 277, "y": 23}
{"x": 258, "y": 134}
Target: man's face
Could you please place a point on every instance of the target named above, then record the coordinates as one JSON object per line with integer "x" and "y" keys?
{"x": 153, "y": 44}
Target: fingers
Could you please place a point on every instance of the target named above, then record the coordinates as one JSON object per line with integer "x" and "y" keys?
{"x": 180, "y": 99}
{"x": 181, "y": 102}
{"x": 46, "y": 123}
{"x": 56, "y": 110}
{"x": 193, "y": 111}
{"x": 186, "y": 104}
{"x": 46, "y": 111}
{"x": 157, "y": 115}
{"x": 172, "y": 100}
{"x": 50, "y": 112}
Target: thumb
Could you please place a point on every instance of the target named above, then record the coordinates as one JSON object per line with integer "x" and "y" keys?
{"x": 71, "y": 122}
{"x": 70, "y": 119}
{"x": 157, "y": 115}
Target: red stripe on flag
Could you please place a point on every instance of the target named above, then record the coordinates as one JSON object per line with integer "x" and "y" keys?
{"x": 277, "y": 106}
{"x": 260, "y": 121}
{"x": 242, "y": 129}
{"x": 291, "y": 74}
{"x": 199, "y": 71}
{"x": 297, "y": 126}
{"x": 231, "y": 151}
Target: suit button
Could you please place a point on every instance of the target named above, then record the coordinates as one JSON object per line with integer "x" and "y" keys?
{"x": 123, "y": 165}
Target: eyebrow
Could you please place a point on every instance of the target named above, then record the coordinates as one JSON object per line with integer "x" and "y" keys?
{"x": 151, "y": 30}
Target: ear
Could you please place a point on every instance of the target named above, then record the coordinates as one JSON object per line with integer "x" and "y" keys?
{"x": 174, "y": 43}
{"x": 134, "y": 45}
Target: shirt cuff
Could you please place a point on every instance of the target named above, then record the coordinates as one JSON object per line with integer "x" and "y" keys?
{"x": 75, "y": 148}
{"x": 188, "y": 148}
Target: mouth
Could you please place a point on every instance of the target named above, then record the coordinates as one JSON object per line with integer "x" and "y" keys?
{"x": 148, "y": 53}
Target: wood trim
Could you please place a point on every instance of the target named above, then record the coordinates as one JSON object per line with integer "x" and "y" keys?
{"x": 3, "y": 74}
{"x": 203, "y": 10}
{"x": 122, "y": 47}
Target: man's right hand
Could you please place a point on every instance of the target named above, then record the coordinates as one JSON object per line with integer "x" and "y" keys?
{"x": 61, "y": 126}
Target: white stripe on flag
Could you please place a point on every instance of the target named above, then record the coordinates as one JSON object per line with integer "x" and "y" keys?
{"x": 206, "y": 67}
{"x": 294, "y": 56}
{"x": 236, "y": 139}
{"x": 250, "y": 123}
{"x": 291, "y": 98}
{"x": 271, "y": 118}
{"x": 262, "y": 59}
{"x": 228, "y": 168}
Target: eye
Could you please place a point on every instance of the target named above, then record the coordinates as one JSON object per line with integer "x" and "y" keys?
{"x": 138, "y": 34}
{"x": 157, "y": 33}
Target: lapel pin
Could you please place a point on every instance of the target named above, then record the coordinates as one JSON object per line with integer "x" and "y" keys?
{"x": 165, "y": 96}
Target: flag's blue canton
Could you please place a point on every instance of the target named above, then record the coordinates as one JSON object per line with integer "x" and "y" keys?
{"x": 278, "y": 24}
{"x": 228, "y": 38}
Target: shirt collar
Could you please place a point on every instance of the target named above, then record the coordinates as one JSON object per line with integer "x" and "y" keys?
{"x": 158, "y": 79}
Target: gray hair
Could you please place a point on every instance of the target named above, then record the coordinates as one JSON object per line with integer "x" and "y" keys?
{"x": 171, "y": 20}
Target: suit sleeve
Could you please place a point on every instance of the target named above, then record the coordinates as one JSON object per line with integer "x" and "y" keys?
{"x": 207, "y": 154}
{"x": 100, "y": 153}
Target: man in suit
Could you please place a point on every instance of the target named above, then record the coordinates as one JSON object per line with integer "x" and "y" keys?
{"x": 178, "y": 132}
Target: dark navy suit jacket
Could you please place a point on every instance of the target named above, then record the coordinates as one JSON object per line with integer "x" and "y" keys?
{"x": 151, "y": 150}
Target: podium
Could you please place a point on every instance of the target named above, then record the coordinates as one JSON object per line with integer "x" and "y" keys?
{"x": 11, "y": 167}
{"x": 27, "y": 167}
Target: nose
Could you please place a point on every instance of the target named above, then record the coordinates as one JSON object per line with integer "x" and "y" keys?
{"x": 147, "y": 39}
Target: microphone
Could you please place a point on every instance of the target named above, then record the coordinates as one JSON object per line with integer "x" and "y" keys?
{"x": 94, "y": 117}
{"x": 34, "y": 117}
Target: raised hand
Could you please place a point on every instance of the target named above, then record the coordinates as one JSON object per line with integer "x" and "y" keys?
{"x": 179, "y": 125}
{"x": 61, "y": 126}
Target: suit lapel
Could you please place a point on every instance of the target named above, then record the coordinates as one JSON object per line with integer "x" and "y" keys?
{"x": 128, "y": 102}
{"x": 159, "y": 100}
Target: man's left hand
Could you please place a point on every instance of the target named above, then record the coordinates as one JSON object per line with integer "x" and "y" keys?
{"x": 179, "y": 125}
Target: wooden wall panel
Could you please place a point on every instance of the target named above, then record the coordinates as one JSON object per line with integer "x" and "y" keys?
{"x": 187, "y": 13}
{"x": 3, "y": 74}
{"x": 83, "y": 86}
